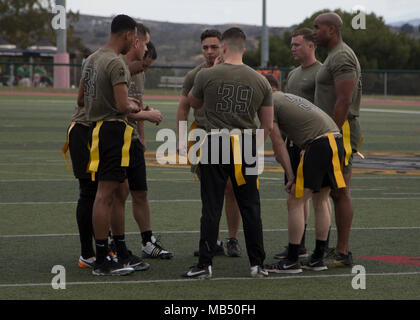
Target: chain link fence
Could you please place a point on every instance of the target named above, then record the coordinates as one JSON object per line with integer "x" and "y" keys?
{"x": 168, "y": 79}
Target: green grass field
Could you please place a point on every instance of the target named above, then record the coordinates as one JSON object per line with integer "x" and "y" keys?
{"x": 38, "y": 225}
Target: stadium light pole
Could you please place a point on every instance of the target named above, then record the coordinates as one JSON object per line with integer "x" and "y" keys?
{"x": 264, "y": 37}
{"x": 61, "y": 73}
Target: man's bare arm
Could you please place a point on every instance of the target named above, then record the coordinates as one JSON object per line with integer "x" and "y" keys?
{"x": 194, "y": 102}
{"x": 344, "y": 93}
{"x": 123, "y": 104}
{"x": 81, "y": 95}
{"x": 282, "y": 155}
{"x": 265, "y": 114}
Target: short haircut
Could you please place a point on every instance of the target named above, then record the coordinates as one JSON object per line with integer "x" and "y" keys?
{"x": 306, "y": 33}
{"x": 122, "y": 23}
{"x": 151, "y": 51}
{"x": 142, "y": 30}
{"x": 234, "y": 38}
{"x": 211, "y": 33}
{"x": 272, "y": 80}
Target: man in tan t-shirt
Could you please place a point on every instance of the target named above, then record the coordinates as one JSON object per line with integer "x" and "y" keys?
{"x": 231, "y": 94}
{"x": 103, "y": 93}
{"x": 301, "y": 82}
{"x": 210, "y": 44}
{"x": 319, "y": 171}
{"x": 338, "y": 93}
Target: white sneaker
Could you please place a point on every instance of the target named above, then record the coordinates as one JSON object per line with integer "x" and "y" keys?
{"x": 258, "y": 272}
{"x": 154, "y": 250}
{"x": 86, "y": 263}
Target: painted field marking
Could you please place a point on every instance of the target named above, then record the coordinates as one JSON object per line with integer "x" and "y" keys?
{"x": 275, "y": 278}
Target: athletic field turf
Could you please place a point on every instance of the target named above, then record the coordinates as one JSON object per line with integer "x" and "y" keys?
{"x": 38, "y": 225}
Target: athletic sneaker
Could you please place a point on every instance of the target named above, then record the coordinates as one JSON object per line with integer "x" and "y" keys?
{"x": 110, "y": 267}
{"x": 220, "y": 251}
{"x": 134, "y": 262}
{"x": 314, "y": 264}
{"x": 328, "y": 252}
{"x": 339, "y": 260}
{"x": 86, "y": 263}
{"x": 233, "y": 248}
{"x": 198, "y": 272}
{"x": 153, "y": 249}
{"x": 258, "y": 272}
{"x": 284, "y": 266}
{"x": 283, "y": 255}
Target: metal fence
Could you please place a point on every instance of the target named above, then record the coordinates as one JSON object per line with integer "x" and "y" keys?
{"x": 169, "y": 78}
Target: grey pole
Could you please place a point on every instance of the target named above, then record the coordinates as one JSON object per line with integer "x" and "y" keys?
{"x": 60, "y": 33}
{"x": 264, "y": 38}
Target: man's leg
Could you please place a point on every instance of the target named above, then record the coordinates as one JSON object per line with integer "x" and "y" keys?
{"x": 343, "y": 215}
{"x": 233, "y": 219}
{"x": 87, "y": 193}
{"x": 296, "y": 227}
{"x": 141, "y": 213}
{"x": 102, "y": 209}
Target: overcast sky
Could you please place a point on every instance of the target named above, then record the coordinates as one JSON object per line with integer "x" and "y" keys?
{"x": 279, "y": 12}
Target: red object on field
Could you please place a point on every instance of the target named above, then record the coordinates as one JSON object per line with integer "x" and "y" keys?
{"x": 414, "y": 261}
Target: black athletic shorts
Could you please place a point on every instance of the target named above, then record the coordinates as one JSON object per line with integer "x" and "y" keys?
{"x": 318, "y": 169}
{"x": 79, "y": 151}
{"x": 136, "y": 172}
{"x": 113, "y": 139}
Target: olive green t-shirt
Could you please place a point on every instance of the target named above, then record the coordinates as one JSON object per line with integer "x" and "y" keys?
{"x": 136, "y": 90}
{"x": 300, "y": 119}
{"x": 199, "y": 116}
{"x": 80, "y": 116}
{"x": 301, "y": 81}
{"x": 103, "y": 70}
{"x": 340, "y": 64}
{"x": 232, "y": 95}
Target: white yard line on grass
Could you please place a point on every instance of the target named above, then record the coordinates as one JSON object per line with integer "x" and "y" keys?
{"x": 197, "y": 232}
{"x": 181, "y": 200}
{"x": 76, "y": 283}
{"x": 391, "y": 111}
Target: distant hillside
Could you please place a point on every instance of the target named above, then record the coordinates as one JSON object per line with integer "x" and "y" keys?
{"x": 413, "y": 22}
{"x": 177, "y": 43}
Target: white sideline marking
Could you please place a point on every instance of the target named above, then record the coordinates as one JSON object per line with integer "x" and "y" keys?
{"x": 389, "y": 274}
{"x": 391, "y": 111}
{"x": 197, "y": 232}
{"x": 180, "y": 200}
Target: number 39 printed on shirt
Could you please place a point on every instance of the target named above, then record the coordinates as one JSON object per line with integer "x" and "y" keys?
{"x": 234, "y": 98}
{"x": 90, "y": 76}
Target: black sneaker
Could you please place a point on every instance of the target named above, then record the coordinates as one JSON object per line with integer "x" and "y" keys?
{"x": 329, "y": 252}
{"x": 258, "y": 272}
{"x": 220, "y": 251}
{"x": 233, "y": 248}
{"x": 314, "y": 264}
{"x": 111, "y": 267}
{"x": 284, "y": 266}
{"x": 198, "y": 272}
{"x": 153, "y": 249}
{"x": 283, "y": 255}
{"x": 134, "y": 262}
{"x": 339, "y": 260}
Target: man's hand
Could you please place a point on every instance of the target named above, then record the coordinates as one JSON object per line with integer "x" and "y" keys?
{"x": 153, "y": 115}
{"x": 218, "y": 60}
{"x": 135, "y": 105}
{"x": 289, "y": 185}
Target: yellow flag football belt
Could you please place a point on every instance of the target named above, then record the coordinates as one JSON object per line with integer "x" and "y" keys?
{"x": 65, "y": 148}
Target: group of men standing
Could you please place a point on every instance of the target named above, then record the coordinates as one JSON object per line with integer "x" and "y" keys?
{"x": 318, "y": 115}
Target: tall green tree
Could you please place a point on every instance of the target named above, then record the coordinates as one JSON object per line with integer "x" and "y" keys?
{"x": 25, "y": 22}
{"x": 377, "y": 47}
